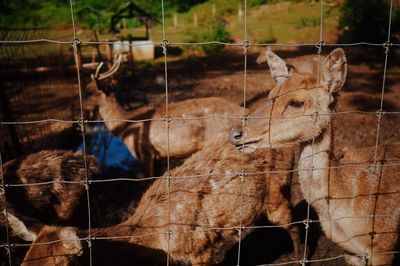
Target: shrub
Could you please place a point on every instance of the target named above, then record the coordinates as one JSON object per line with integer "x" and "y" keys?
{"x": 270, "y": 38}
{"x": 217, "y": 32}
{"x": 305, "y": 22}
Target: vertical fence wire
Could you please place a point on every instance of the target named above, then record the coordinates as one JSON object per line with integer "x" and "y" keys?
{"x": 316, "y": 114}
{"x": 3, "y": 191}
{"x": 76, "y": 45}
{"x": 242, "y": 174}
{"x": 167, "y": 120}
{"x": 377, "y": 169}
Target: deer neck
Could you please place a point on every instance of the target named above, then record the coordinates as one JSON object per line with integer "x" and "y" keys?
{"x": 314, "y": 165}
{"x": 110, "y": 110}
{"x": 122, "y": 232}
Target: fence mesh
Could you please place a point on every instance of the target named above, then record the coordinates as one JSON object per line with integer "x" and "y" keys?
{"x": 77, "y": 119}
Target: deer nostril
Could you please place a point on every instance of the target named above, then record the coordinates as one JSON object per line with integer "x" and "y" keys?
{"x": 236, "y": 135}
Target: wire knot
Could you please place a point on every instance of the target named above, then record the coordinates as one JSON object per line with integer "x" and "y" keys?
{"x": 373, "y": 168}
{"x": 82, "y": 122}
{"x": 239, "y": 229}
{"x": 164, "y": 45}
{"x": 244, "y": 119}
{"x": 6, "y": 247}
{"x": 169, "y": 234}
{"x": 319, "y": 46}
{"x": 89, "y": 241}
{"x": 386, "y": 46}
{"x": 87, "y": 183}
{"x": 169, "y": 177}
{"x": 303, "y": 262}
{"x": 167, "y": 119}
{"x": 76, "y": 43}
{"x": 315, "y": 115}
{"x": 364, "y": 258}
{"x": 306, "y": 223}
{"x": 379, "y": 114}
{"x": 242, "y": 175}
{"x": 372, "y": 234}
{"x": 246, "y": 45}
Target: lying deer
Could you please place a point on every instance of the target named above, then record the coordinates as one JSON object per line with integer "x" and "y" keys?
{"x": 357, "y": 200}
{"x": 194, "y": 123}
{"x": 53, "y": 202}
{"x": 202, "y": 213}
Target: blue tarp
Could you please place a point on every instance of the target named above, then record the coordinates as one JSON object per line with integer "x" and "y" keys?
{"x": 109, "y": 150}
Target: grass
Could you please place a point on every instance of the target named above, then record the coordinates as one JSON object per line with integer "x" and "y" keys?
{"x": 288, "y": 22}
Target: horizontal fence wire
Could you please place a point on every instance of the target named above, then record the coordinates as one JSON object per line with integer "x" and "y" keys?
{"x": 172, "y": 118}
{"x": 83, "y": 42}
{"x": 355, "y": 165}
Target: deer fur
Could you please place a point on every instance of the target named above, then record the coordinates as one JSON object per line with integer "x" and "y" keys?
{"x": 56, "y": 203}
{"x": 51, "y": 203}
{"x": 147, "y": 140}
{"x": 358, "y": 200}
{"x": 202, "y": 212}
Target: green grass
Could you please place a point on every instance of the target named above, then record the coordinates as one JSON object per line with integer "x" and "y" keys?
{"x": 284, "y": 22}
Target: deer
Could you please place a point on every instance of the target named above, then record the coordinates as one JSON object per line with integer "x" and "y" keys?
{"x": 356, "y": 197}
{"x": 53, "y": 202}
{"x": 193, "y": 122}
{"x": 196, "y": 211}
{"x": 29, "y": 192}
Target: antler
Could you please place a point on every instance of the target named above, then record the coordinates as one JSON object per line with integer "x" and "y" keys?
{"x": 114, "y": 68}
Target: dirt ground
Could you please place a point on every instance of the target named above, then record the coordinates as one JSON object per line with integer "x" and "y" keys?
{"x": 222, "y": 75}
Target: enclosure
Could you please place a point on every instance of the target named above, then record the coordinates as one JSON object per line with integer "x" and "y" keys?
{"x": 51, "y": 91}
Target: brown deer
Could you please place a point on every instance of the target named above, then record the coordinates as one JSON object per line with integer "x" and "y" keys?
{"x": 201, "y": 209}
{"x": 195, "y": 122}
{"x": 51, "y": 202}
{"x": 357, "y": 199}
{"x": 29, "y": 193}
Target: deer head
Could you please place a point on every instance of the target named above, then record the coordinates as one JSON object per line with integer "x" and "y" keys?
{"x": 298, "y": 107}
{"x": 101, "y": 87}
{"x": 108, "y": 76}
{"x": 51, "y": 245}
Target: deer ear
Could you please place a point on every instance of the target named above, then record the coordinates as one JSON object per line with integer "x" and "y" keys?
{"x": 334, "y": 70}
{"x": 23, "y": 227}
{"x": 278, "y": 67}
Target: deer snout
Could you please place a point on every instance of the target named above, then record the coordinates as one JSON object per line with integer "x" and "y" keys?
{"x": 236, "y": 135}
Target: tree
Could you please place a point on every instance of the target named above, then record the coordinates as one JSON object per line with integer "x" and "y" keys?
{"x": 364, "y": 20}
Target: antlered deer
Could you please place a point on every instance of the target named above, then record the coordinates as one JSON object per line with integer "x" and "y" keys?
{"x": 202, "y": 206}
{"x": 194, "y": 124}
{"x": 356, "y": 200}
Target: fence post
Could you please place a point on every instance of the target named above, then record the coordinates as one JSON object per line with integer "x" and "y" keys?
{"x": 240, "y": 12}
{"x": 175, "y": 20}
{"x": 195, "y": 21}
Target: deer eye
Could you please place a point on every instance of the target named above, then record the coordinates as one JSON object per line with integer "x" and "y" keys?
{"x": 295, "y": 104}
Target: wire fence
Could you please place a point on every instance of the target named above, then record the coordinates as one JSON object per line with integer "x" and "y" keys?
{"x": 165, "y": 45}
